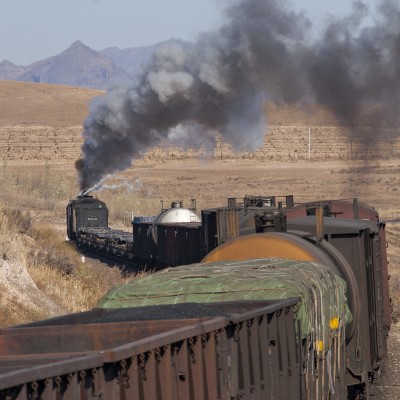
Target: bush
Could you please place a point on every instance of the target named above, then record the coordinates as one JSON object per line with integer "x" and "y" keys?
{"x": 18, "y": 221}
{"x": 52, "y": 250}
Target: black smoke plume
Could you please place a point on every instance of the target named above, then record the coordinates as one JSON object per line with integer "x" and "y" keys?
{"x": 219, "y": 83}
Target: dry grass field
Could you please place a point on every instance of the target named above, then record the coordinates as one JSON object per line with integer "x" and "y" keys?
{"x": 40, "y": 139}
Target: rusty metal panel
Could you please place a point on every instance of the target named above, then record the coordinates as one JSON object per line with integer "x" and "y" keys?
{"x": 196, "y": 369}
{"x": 217, "y": 373}
{"x": 264, "y": 358}
{"x": 265, "y": 361}
{"x": 196, "y": 358}
{"x": 342, "y": 208}
{"x": 387, "y": 308}
{"x": 228, "y": 224}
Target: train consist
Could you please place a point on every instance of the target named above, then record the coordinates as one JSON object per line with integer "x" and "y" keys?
{"x": 216, "y": 326}
{"x": 177, "y": 235}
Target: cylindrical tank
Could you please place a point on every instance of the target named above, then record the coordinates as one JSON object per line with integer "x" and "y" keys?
{"x": 174, "y": 215}
{"x": 292, "y": 246}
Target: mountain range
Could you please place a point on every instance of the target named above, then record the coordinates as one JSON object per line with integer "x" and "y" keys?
{"x": 80, "y": 65}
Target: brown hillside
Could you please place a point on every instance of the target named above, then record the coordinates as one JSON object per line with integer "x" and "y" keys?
{"x": 43, "y": 122}
{"x": 25, "y": 103}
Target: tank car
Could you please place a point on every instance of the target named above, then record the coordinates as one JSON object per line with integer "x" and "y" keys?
{"x": 176, "y": 214}
{"x": 170, "y": 238}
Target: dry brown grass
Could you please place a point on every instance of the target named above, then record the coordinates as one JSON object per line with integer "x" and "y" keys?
{"x": 12, "y": 313}
{"x": 123, "y": 203}
{"x": 80, "y": 290}
{"x": 40, "y": 188}
{"x": 25, "y": 103}
{"x": 44, "y": 190}
{"x": 68, "y": 284}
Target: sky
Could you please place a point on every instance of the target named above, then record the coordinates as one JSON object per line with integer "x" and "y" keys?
{"x": 31, "y": 30}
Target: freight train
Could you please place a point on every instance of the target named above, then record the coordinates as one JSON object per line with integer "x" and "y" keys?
{"x": 214, "y": 324}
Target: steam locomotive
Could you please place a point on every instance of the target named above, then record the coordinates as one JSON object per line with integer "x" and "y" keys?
{"x": 344, "y": 235}
{"x": 226, "y": 347}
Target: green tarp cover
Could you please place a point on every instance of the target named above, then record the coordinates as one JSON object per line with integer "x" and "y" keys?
{"x": 321, "y": 312}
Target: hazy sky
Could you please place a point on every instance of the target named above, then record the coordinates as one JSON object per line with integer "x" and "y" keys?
{"x": 31, "y": 30}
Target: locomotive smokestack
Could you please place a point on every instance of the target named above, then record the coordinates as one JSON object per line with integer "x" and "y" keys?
{"x": 190, "y": 91}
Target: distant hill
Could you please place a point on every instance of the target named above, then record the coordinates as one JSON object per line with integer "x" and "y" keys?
{"x": 27, "y": 104}
{"x": 10, "y": 71}
{"x": 42, "y": 122}
{"x": 132, "y": 59}
{"x": 81, "y": 66}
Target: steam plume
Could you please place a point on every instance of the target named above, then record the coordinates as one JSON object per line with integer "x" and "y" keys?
{"x": 220, "y": 82}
